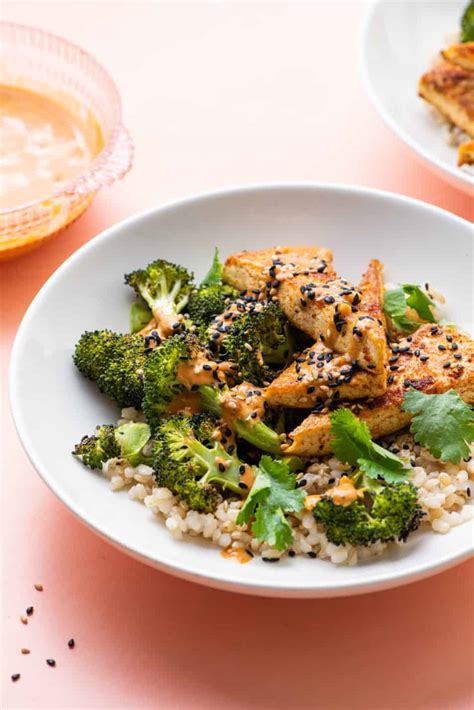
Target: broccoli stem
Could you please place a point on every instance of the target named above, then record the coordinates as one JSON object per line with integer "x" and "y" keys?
{"x": 256, "y": 433}
{"x": 260, "y": 435}
{"x": 209, "y": 459}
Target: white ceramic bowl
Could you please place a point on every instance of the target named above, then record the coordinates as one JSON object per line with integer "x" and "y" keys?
{"x": 54, "y": 406}
{"x": 399, "y": 42}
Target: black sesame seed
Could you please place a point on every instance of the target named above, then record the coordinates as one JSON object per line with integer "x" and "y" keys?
{"x": 449, "y": 338}
{"x": 242, "y": 470}
{"x": 458, "y": 356}
{"x": 230, "y": 448}
{"x": 312, "y": 554}
{"x": 424, "y": 358}
{"x": 71, "y": 643}
{"x": 303, "y": 302}
{"x": 291, "y": 553}
{"x": 468, "y": 491}
{"x": 417, "y": 353}
{"x": 15, "y": 677}
{"x": 30, "y": 610}
{"x": 390, "y": 379}
{"x": 441, "y": 347}
{"x": 221, "y": 468}
{"x": 329, "y": 299}
{"x": 270, "y": 559}
{"x": 243, "y": 485}
{"x": 51, "y": 662}
{"x": 454, "y": 346}
{"x": 393, "y": 368}
{"x": 446, "y": 365}
{"x": 301, "y": 483}
{"x": 310, "y": 389}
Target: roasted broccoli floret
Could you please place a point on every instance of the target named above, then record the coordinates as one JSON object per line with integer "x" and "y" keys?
{"x": 115, "y": 362}
{"x": 258, "y": 339}
{"x": 165, "y": 379}
{"x": 193, "y": 465}
{"x": 97, "y": 449}
{"x": 125, "y": 441}
{"x": 208, "y": 301}
{"x": 467, "y": 23}
{"x": 384, "y": 512}
{"x": 226, "y": 403}
{"x": 165, "y": 288}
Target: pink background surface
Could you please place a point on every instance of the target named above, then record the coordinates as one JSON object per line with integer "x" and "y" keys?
{"x": 214, "y": 95}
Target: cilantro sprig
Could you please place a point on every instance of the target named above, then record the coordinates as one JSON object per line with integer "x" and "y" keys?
{"x": 406, "y": 296}
{"x": 352, "y": 444}
{"x": 443, "y": 423}
{"x": 467, "y": 23}
{"x": 273, "y": 494}
{"x": 214, "y": 275}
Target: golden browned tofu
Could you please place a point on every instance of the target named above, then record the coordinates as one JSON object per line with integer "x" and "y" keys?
{"x": 372, "y": 290}
{"x": 466, "y": 153}
{"x": 331, "y": 311}
{"x": 247, "y": 270}
{"x": 320, "y": 374}
{"x": 434, "y": 361}
{"x": 461, "y": 54}
{"x": 450, "y": 88}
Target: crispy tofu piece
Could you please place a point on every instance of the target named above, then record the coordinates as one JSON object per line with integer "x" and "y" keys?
{"x": 247, "y": 270}
{"x": 331, "y": 310}
{"x": 319, "y": 374}
{"x": 450, "y": 88}
{"x": 372, "y": 289}
{"x": 466, "y": 153}
{"x": 425, "y": 372}
{"x": 461, "y": 54}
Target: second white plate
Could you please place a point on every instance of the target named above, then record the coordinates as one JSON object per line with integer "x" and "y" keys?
{"x": 399, "y": 42}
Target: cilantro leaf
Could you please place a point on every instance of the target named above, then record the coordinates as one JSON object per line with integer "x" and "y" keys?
{"x": 272, "y": 495}
{"x": 214, "y": 275}
{"x": 396, "y": 302}
{"x": 443, "y": 423}
{"x": 467, "y": 23}
{"x": 140, "y": 316}
{"x": 352, "y": 444}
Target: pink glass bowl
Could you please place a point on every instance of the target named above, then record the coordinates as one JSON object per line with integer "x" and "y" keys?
{"x": 34, "y": 59}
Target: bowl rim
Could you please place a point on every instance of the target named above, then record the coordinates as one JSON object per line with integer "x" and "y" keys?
{"x": 93, "y": 174}
{"x": 452, "y": 173}
{"x": 374, "y": 582}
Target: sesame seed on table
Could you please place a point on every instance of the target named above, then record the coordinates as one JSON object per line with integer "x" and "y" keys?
{"x": 232, "y": 93}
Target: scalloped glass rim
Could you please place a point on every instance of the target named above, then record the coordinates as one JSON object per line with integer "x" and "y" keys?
{"x": 64, "y": 67}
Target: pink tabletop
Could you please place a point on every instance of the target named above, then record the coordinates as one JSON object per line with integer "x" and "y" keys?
{"x": 215, "y": 94}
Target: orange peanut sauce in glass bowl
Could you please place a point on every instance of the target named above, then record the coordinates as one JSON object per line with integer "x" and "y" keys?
{"x": 43, "y": 146}
{"x": 62, "y": 136}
